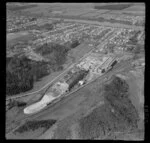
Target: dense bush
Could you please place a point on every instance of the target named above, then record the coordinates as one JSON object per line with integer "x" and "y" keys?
{"x": 91, "y": 126}
{"x": 13, "y": 103}
{"x": 35, "y": 124}
{"x": 74, "y": 44}
{"x": 56, "y": 53}
{"x": 76, "y": 78}
{"x": 21, "y": 74}
{"x": 14, "y": 7}
{"x": 118, "y": 88}
{"x": 117, "y": 95}
{"x": 102, "y": 120}
{"x": 113, "y": 6}
{"x": 134, "y": 38}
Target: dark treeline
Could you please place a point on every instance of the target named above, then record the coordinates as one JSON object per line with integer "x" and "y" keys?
{"x": 113, "y": 6}
{"x": 33, "y": 125}
{"x": 21, "y": 72}
{"x": 50, "y": 48}
{"x": 56, "y": 53}
{"x": 118, "y": 88}
{"x": 76, "y": 77}
{"x": 13, "y": 7}
{"x": 13, "y": 103}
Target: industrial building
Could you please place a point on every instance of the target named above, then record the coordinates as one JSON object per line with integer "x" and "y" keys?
{"x": 93, "y": 65}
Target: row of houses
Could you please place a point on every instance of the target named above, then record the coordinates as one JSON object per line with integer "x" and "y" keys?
{"x": 123, "y": 17}
{"x": 15, "y": 22}
{"x": 79, "y": 32}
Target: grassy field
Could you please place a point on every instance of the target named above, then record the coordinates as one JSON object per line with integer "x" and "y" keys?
{"x": 20, "y": 36}
{"x": 78, "y": 52}
{"x": 95, "y": 13}
{"x": 47, "y": 8}
{"x": 136, "y": 83}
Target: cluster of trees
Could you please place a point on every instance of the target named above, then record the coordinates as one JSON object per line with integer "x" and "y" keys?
{"x": 21, "y": 73}
{"x": 112, "y": 6}
{"x": 35, "y": 124}
{"x": 56, "y": 53}
{"x": 13, "y": 103}
{"x": 47, "y": 49}
{"x": 134, "y": 38}
{"x": 137, "y": 47}
{"x": 75, "y": 78}
{"x": 117, "y": 95}
{"x": 119, "y": 88}
{"x": 91, "y": 126}
{"x": 101, "y": 121}
{"x": 14, "y": 7}
{"x": 74, "y": 44}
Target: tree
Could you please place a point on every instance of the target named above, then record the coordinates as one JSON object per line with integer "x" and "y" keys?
{"x": 74, "y": 44}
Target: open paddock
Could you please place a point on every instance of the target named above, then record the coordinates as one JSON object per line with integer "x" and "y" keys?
{"x": 13, "y": 38}
{"x": 79, "y": 51}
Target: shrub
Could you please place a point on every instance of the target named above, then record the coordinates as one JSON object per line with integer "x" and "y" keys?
{"x": 20, "y": 73}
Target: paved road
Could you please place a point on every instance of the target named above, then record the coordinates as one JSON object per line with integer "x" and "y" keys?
{"x": 56, "y": 78}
